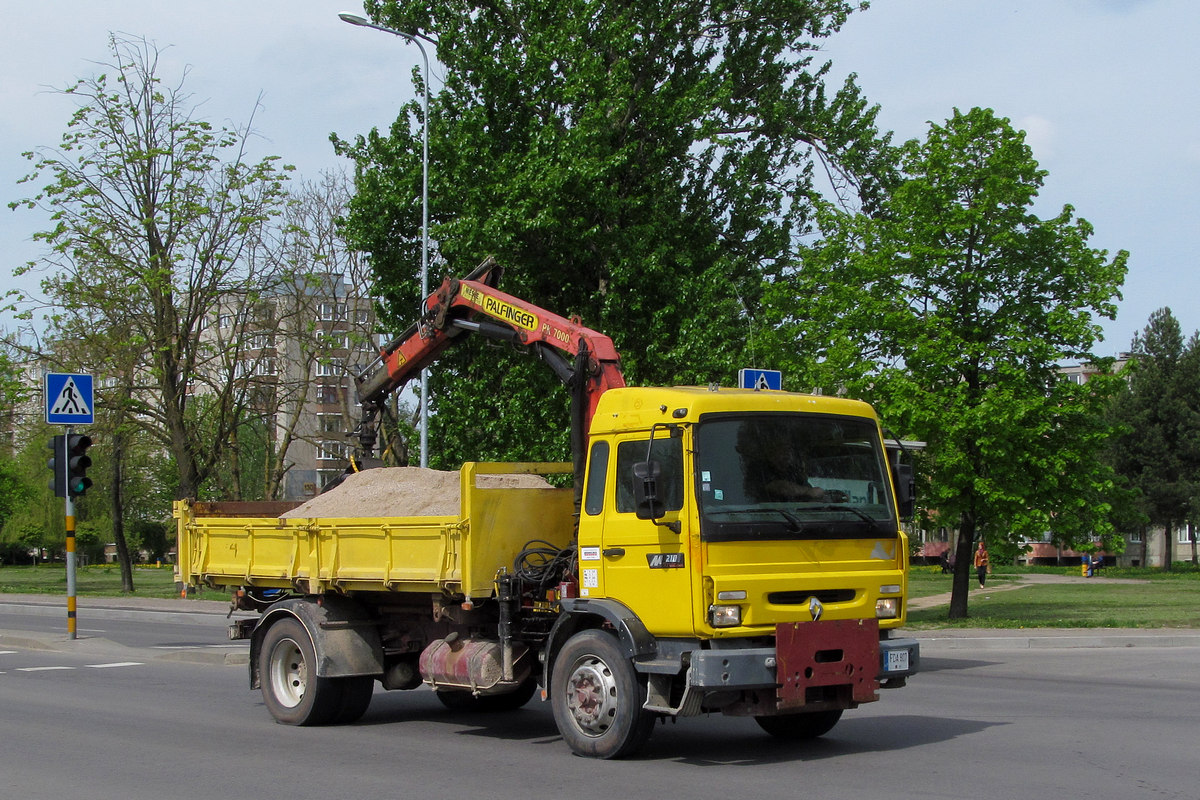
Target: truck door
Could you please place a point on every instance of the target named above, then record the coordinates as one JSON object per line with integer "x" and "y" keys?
{"x": 646, "y": 565}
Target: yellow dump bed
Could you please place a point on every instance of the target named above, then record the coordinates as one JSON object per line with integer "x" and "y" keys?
{"x": 234, "y": 544}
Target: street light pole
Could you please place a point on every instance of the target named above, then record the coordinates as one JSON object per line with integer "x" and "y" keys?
{"x": 355, "y": 19}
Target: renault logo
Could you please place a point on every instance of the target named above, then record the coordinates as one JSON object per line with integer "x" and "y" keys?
{"x": 815, "y": 608}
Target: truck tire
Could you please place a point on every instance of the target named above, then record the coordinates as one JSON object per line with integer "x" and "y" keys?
{"x": 800, "y": 726}
{"x": 290, "y": 687}
{"x": 356, "y": 693}
{"x": 597, "y": 698}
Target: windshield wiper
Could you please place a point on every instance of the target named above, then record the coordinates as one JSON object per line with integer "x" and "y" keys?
{"x": 796, "y": 524}
{"x": 839, "y": 507}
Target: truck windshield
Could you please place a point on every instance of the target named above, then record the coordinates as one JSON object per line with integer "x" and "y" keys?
{"x": 792, "y": 476}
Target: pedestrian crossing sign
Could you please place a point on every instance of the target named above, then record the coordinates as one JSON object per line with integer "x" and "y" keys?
{"x": 760, "y": 379}
{"x": 69, "y": 399}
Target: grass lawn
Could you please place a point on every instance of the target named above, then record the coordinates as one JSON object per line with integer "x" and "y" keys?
{"x": 1136, "y": 605}
{"x": 925, "y": 581}
{"x": 1138, "y": 599}
{"x": 95, "y": 581}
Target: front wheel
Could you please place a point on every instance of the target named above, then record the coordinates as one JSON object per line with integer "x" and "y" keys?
{"x": 800, "y": 726}
{"x": 291, "y": 689}
{"x": 597, "y": 698}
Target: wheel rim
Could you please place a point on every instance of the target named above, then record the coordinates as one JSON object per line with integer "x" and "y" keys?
{"x": 289, "y": 673}
{"x": 592, "y": 696}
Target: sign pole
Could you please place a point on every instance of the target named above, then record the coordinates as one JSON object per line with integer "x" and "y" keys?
{"x": 69, "y": 512}
{"x": 70, "y": 401}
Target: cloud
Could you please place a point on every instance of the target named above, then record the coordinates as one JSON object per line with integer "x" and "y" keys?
{"x": 1039, "y": 135}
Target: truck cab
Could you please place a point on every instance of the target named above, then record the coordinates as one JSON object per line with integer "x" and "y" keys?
{"x": 765, "y": 501}
{"x": 757, "y": 536}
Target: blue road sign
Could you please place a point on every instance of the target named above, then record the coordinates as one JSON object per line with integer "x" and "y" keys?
{"x": 69, "y": 399}
{"x": 759, "y": 379}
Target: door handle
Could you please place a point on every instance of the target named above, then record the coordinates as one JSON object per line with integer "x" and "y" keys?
{"x": 614, "y": 552}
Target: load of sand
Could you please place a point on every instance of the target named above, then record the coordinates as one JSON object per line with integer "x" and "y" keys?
{"x": 403, "y": 492}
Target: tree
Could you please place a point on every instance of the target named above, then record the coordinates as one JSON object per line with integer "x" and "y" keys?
{"x": 1158, "y": 411}
{"x": 951, "y": 309}
{"x": 642, "y": 165}
{"x": 157, "y": 216}
{"x": 14, "y": 491}
{"x": 308, "y": 336}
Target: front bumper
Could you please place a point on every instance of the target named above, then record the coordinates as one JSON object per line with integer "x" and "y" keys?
{"x": 811, "y": 662}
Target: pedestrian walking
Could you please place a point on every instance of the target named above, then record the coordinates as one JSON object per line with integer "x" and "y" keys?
{"x": 981, "y": 563}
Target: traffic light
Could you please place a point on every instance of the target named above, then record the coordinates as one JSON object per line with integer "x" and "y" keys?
{"x": 59, "y": 482}
{"x": 70, "y": 464}
{"x": 78, "y": 462}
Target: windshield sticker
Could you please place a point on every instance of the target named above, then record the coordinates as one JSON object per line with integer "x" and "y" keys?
{"x": 883, "y": 552}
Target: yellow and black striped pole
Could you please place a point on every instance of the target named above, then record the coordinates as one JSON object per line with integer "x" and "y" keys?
{"x": 70, "y": 515}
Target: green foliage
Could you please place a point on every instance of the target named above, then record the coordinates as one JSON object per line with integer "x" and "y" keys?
{"x": 15, "y": 490}
{"x": 644, "y": 166}
{"x": 1158, "y": 414}
{"x": 36, "y": 521}
{"x": 158, "y": 218}
{"x": 13, "y": 390}
{"x": 951, "y": 309}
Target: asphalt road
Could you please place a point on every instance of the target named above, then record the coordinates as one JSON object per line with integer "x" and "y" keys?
{"x": 158, "y": 707}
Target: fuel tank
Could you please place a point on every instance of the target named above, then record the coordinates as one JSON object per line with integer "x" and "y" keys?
{"x": 476, "y": 665}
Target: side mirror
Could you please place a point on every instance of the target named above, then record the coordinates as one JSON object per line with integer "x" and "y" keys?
{"x": 647, "y": 503}
{"x": 645, "y": 490}
{"x": 906, "y": 493}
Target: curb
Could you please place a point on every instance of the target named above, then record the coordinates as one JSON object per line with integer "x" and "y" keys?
{"x": 206, "y": 657}
{"x": 976, "y": 639}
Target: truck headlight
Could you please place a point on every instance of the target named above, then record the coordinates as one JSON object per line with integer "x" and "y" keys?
{"x": 887, "y": 608}
{"x": 725, "y": 616}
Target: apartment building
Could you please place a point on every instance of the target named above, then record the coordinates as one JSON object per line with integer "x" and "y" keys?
{"x": 297, "y": 349}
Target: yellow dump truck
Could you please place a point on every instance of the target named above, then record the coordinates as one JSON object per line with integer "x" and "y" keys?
{"x": 730, "y": 551}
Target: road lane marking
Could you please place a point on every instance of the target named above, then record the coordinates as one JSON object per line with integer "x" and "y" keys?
{"x": 115, "y": 664}
{"x": 196, "y": 646}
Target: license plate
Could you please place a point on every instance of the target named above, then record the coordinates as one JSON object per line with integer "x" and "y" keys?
{"x": 897, "y": 661}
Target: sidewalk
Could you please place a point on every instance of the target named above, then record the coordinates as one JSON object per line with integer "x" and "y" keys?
{"x": 170, "y": 610}
{"x": 159, "y": 604}
{"x": 957, "y": 640}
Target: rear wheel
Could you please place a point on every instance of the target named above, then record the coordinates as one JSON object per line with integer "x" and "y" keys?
{"x": 597, "y": 698}
{"x": 800, "y": 726}
{"x": 291, "y": 689}
{"x": 356, "y": 693}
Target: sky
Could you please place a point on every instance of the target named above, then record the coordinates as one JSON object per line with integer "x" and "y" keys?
{"x": 1108, "y": 92}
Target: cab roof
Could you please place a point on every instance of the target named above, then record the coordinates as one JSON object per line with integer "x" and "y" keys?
{"x": 637, "y": 408}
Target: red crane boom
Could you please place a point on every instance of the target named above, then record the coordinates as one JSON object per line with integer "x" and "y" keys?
{"x": 585, "y": 360}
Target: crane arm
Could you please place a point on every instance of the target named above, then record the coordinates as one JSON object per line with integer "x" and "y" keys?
{"x": 585, "y": 360}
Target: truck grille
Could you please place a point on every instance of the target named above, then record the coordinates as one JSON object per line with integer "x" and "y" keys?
{"x": 800, "y": 598}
